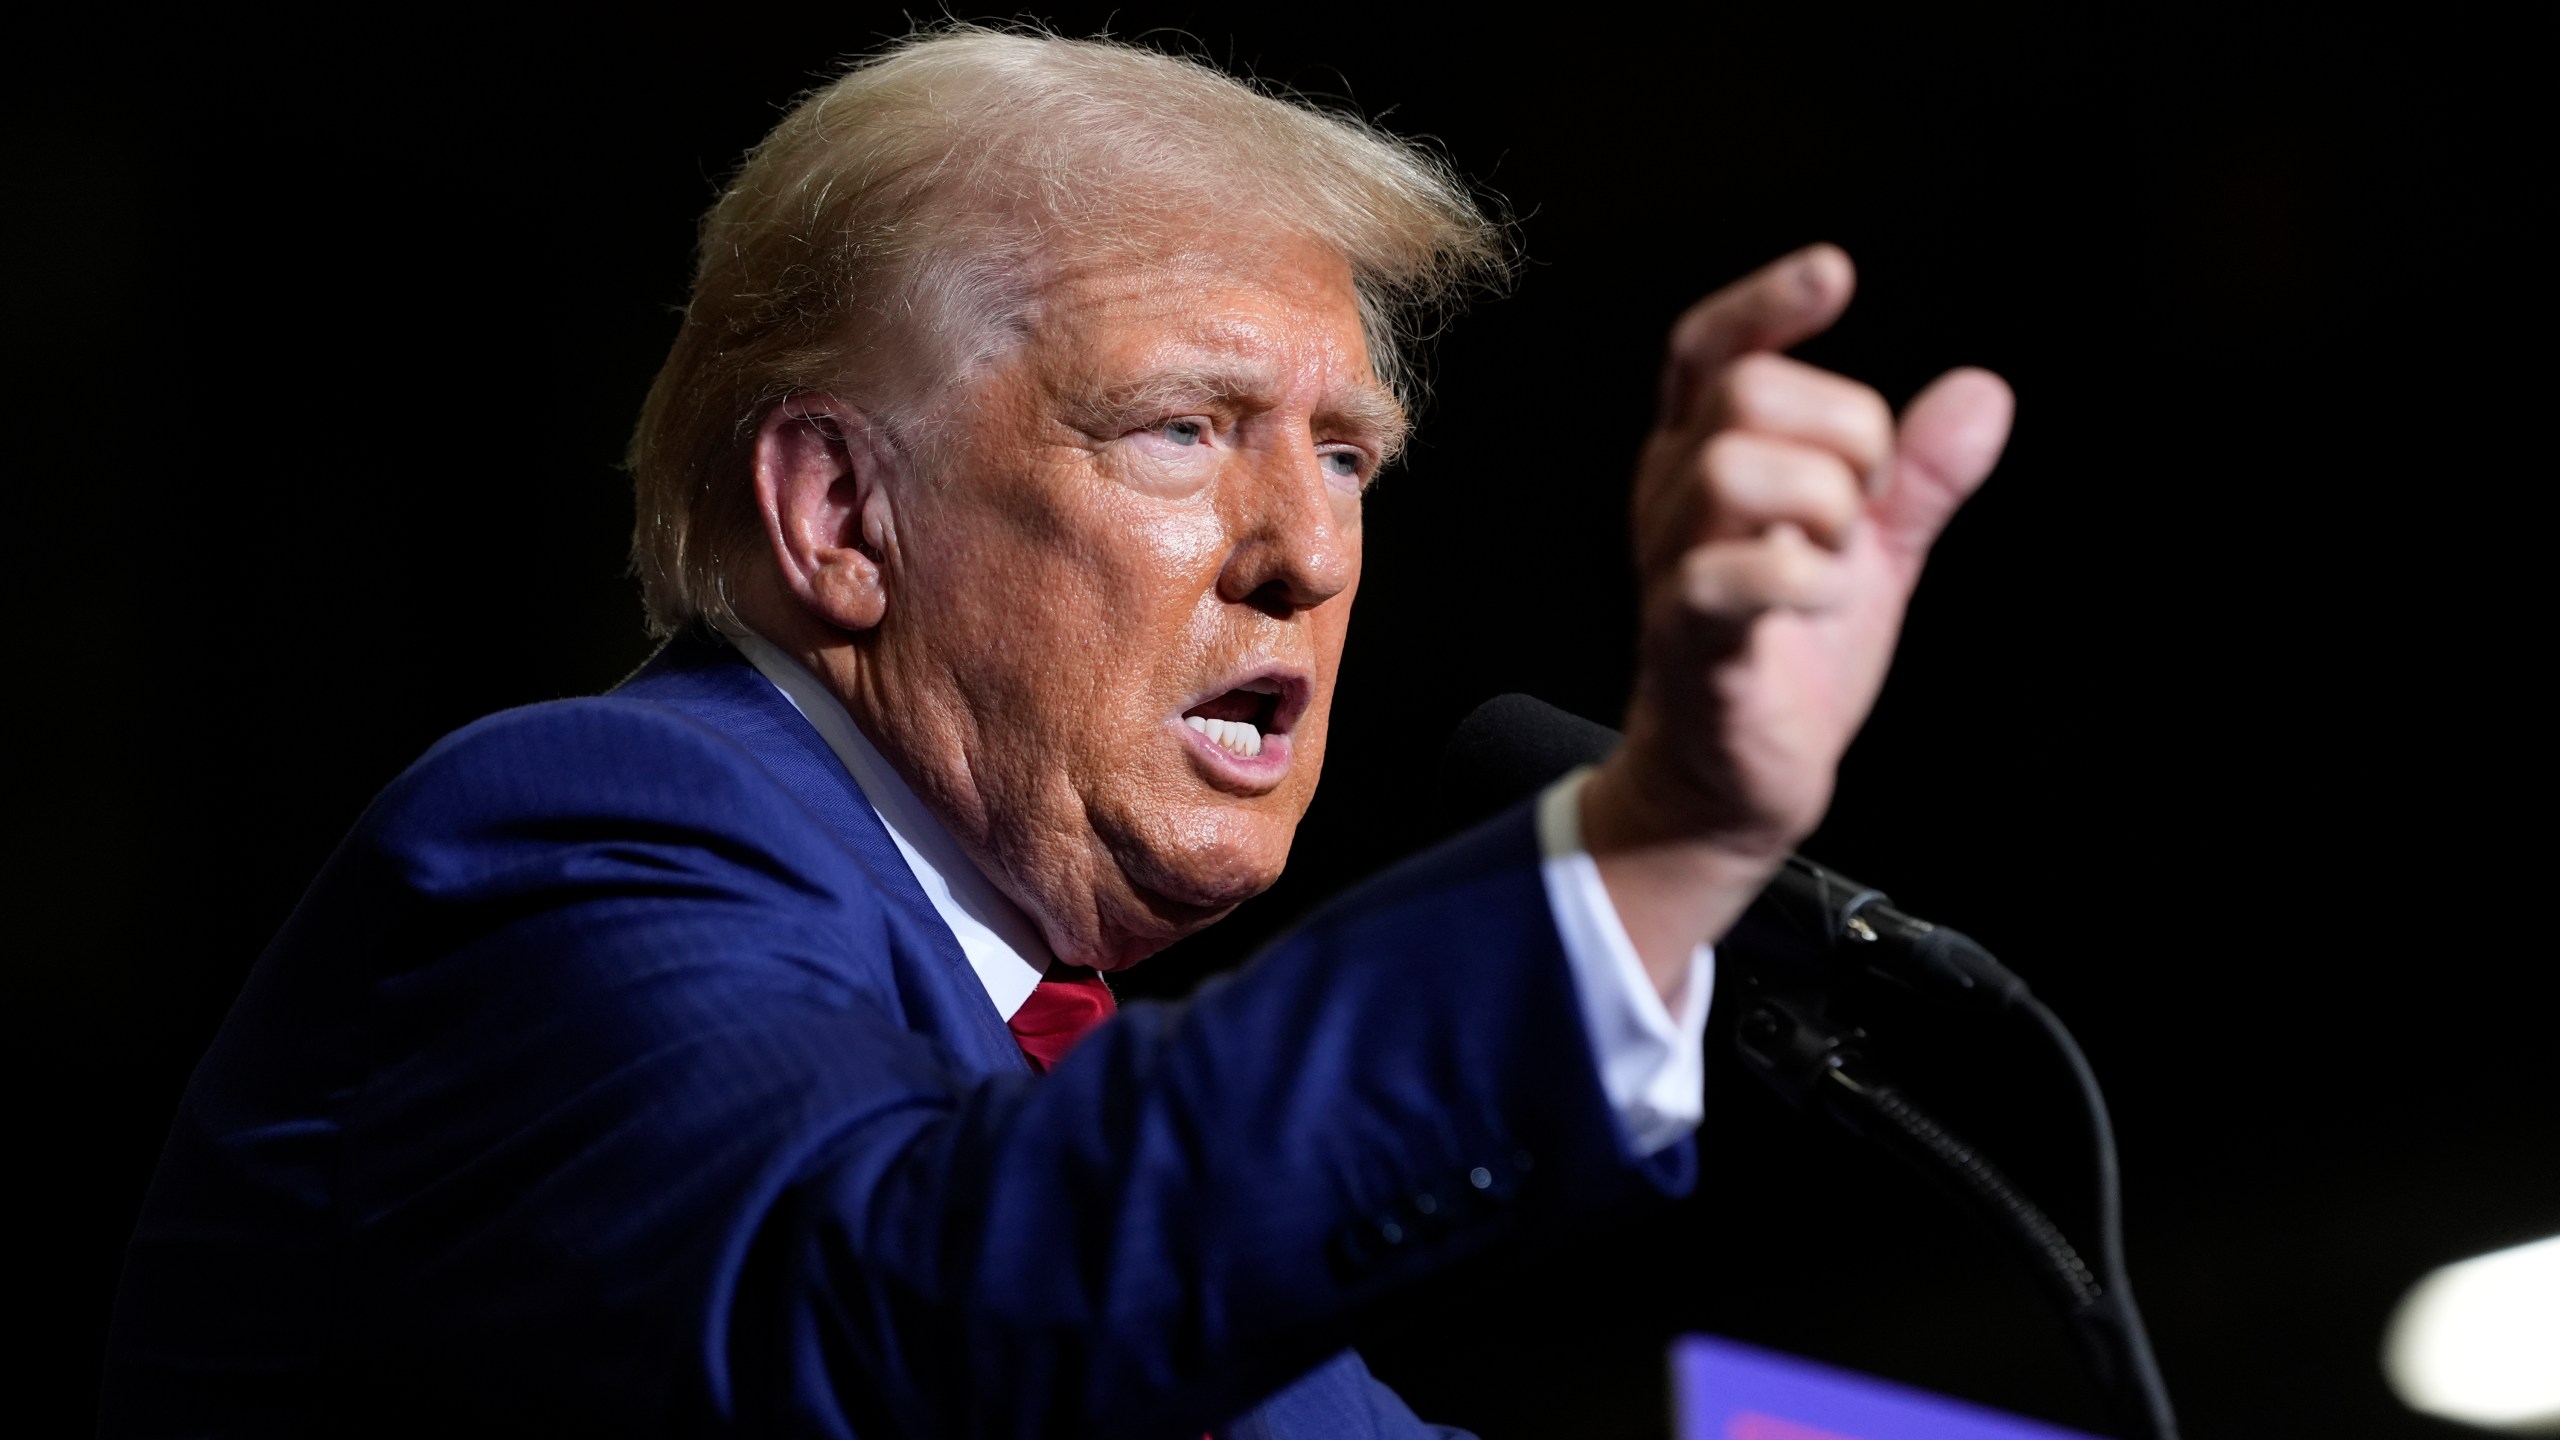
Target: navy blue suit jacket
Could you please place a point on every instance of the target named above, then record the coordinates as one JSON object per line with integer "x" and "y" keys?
{"x": 615, "y": 1076}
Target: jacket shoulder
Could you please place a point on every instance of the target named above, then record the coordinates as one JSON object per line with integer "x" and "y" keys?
{"x": 596, "y": 796}
{"x": 596, "y": 759}
{"x": 647, "y": 752}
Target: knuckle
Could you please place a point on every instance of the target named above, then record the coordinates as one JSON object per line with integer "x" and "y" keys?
{"x": 1750, "y": 395}
{"x": 1859, "y": 422}
{"x": 1701, "y": 581}
{"x": 1873, "y": 418}
{"x": 1783, "y": 553}
{"x": 1798, "y": 569}
{"x": 1723, "y": 579}
{"x": 1751, "y": 379}
{"x": 1728, "y": 457}
{"x": 1833, "y": 494}
{"x": 1802, "y": 569}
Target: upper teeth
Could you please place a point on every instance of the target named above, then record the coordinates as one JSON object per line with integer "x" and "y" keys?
{"x": 1237, "y": 736}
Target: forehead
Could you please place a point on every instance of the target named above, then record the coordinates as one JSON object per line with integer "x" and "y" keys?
{"x": 1285, "y": 309}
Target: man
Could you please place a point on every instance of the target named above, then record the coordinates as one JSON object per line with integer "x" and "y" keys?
{"x": 696, "y": 1058}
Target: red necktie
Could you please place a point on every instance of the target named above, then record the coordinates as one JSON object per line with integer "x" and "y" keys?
{"x": 1063, "y": 1009}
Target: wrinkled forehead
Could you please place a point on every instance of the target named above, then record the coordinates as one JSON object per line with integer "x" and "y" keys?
{"x": 1281, "y": 312}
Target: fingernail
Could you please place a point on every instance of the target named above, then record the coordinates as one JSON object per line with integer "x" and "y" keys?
{"x": 1809, "y": 275}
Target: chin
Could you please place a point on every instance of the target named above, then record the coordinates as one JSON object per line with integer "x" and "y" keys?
{"x": 1210, "y": 863}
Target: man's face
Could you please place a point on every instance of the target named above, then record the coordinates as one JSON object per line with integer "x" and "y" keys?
{"x": 1118, "y": 602}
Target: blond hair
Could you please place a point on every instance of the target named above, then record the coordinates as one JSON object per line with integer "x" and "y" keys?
{"x": 882, "y": 243}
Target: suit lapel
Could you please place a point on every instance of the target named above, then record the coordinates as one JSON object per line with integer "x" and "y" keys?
{"x": 715, "y": 685}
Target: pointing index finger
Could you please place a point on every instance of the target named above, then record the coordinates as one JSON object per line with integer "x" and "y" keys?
{"x": 1789, "y": 300}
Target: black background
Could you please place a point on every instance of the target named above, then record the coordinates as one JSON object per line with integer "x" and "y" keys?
{"x": 327, "y": 342}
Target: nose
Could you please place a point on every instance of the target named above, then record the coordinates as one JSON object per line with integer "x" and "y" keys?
{"x": 1295, "y": 541}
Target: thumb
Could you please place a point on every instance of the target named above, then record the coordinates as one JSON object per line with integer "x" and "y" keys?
{"x": 1949, "y": 439}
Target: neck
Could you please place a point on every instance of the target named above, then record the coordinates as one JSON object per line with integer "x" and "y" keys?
{"x": 921, "y": 725}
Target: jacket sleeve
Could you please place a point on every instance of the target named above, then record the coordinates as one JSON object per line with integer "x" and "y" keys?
{"x": 645, "y": 1143}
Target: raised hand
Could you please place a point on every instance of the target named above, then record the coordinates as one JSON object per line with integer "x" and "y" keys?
{"x": 1781, "y": 518}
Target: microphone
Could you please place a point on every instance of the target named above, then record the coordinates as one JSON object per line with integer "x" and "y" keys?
{"x": 1514, "y": 745}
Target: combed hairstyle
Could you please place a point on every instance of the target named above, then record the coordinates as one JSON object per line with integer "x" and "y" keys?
{"x": 886, "y": 240}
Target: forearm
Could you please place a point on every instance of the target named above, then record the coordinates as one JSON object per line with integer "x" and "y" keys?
{"x": 1674, "y": 889}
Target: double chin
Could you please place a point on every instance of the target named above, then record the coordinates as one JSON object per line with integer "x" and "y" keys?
{"x": 1172, "y": 881}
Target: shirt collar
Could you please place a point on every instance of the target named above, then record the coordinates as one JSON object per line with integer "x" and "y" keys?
{"x": 1001, "y": 943}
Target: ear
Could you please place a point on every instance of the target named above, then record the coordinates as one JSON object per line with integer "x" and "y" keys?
{"x": 821, "y": 472}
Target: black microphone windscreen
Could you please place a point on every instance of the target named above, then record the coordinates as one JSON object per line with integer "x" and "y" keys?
{"x": 1509, "y": 748}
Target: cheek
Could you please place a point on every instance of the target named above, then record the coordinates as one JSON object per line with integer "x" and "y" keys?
{"x": 1055, "y": 551}
{"x": 1155, "y": 610}
{"x": 1171, "y": 548}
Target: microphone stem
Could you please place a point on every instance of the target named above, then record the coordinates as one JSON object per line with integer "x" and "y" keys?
{"x": 2149, "y": 1393}
{"x": 2057, "y": 1260}
{"x": 2098, "y": 1304}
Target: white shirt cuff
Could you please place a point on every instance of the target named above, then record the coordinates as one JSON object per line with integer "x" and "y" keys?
{"x": 1652, "y": 1064}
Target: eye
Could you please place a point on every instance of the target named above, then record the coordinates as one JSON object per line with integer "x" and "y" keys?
{"x": 1185, "y": 432}
{"x": 1348, "y": 465}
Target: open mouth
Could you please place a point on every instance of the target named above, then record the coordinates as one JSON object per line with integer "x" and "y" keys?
{"x": 1243, "y": 719}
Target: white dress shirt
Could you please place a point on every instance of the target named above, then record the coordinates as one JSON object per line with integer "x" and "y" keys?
{"x": 1652, "y": 1064}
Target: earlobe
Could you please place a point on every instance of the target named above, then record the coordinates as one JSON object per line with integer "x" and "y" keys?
{"x": 821, "y": 476}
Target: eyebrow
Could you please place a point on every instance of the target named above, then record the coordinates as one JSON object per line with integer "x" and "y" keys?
{"x": 1365, "y": 410}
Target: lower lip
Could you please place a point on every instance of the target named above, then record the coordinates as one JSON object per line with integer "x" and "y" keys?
{"x": 1252, "y": 772}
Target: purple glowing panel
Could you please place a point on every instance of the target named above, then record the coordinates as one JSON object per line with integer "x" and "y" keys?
{"x": 1725, "y": 1391}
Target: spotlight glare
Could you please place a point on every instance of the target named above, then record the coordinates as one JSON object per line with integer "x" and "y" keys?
{"x": 2479, "y": 1341}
